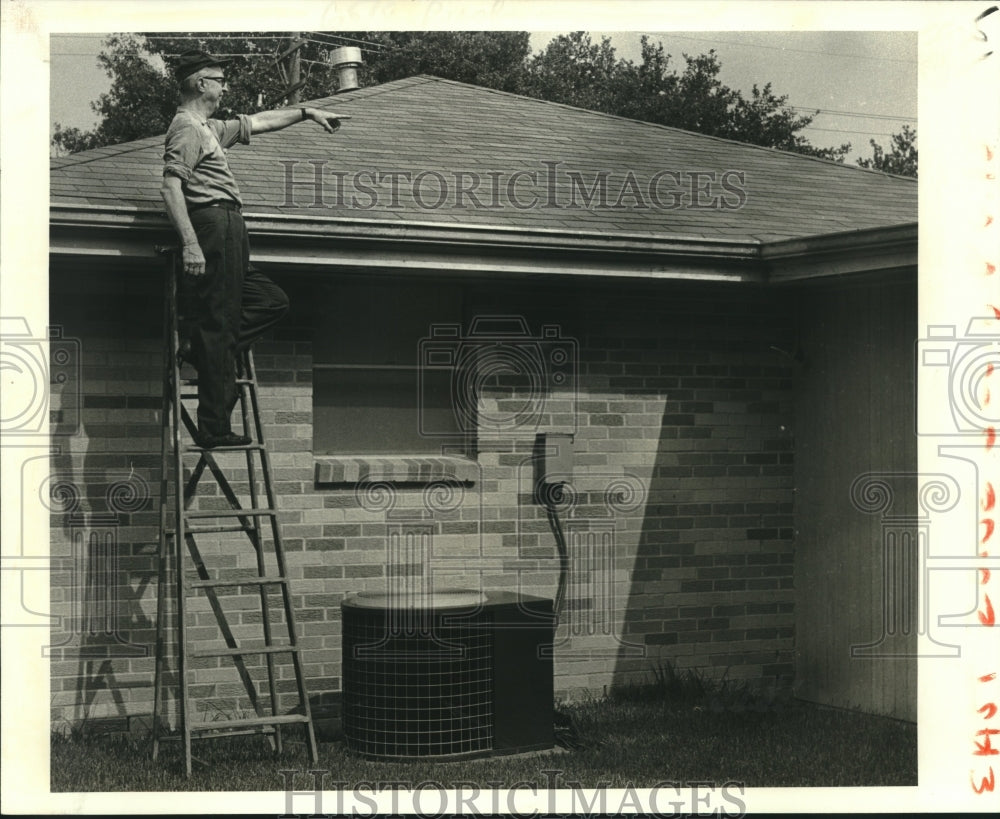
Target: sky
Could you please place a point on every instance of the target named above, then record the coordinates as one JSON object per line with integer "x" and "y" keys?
{"x": 863, "y": 82}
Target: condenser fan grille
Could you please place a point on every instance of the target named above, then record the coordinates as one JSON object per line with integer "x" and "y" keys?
{"x": 419, "y": 685}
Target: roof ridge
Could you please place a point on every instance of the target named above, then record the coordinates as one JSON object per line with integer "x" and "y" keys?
{"x": 381, "y": 88}
{"x": 116, "y": 149}
{"x": 423, "y": 79}
{"x": 657, "y": 125}
{"x": 119, "y": 148}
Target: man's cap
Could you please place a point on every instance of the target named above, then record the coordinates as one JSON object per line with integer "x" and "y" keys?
{"x": 191, "y": 61}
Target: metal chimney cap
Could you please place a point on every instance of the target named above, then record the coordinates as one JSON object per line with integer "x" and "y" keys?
{"x": 345, "y": 55}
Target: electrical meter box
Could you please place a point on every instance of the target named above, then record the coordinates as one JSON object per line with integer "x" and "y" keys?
{"x": 553, "y": 458}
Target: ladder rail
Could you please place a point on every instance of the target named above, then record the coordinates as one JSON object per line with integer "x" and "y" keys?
{"x": 161, "y": 552}
{"x": 265, "y": 607}
{"x": 279, "y": 552}
{"x": 178, "y": 534}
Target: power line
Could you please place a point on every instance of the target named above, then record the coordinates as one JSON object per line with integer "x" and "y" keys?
{"x": 820, "y": 110}
{"x": 244, "y": 54}
{"x": 326, "y": 46}
{"x": 782, "y": 48}
{"x": 842, "y": 131}
{"x": 346, "y": 39}
{"x": 164, "y": 54}
{"x": 309, "y": 36}
{"x": 169, "y": 36}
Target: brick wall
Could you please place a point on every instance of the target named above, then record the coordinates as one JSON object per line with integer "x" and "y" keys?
{"x": 679, "y": 520}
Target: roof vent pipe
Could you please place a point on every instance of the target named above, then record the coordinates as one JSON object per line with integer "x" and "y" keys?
{"x": 346, "y": 60}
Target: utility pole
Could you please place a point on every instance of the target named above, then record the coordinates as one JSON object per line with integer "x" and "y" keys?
{"x": 292, "y": 75}
{"x": 294, "y": 69}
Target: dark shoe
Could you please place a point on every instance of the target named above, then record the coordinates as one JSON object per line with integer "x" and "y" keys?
{"x": 185, "y": 353}
{"x": 206, "y": 441}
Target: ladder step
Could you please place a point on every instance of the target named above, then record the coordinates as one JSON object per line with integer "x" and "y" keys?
{"x": 190, "y": 396}
{"x": 212, "y": 530}
{"x": 247, "y": 448}
{"x": 230, "y": 513}
{"x": 243, "y": 581}
{"x": 244, "y": 652}
{"x": 223, "y": 725}
{"x": 193, "y": 382}
{"x": 224, "y": 732}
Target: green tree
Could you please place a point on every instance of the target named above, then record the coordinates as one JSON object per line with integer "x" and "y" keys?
{"x": 901, "y": 158}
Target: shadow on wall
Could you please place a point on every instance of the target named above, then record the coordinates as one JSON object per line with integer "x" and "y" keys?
{"x": 677, "y": 514}
{"x": 708, "y": 552}
{"x": 104, "y": 525}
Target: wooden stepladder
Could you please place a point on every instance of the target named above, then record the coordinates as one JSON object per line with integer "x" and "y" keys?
{"x": 255, "y": 516}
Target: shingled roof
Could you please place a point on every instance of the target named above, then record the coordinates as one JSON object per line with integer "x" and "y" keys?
{"x": 658, "y": 181}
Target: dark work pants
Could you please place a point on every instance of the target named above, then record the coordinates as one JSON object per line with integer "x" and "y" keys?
{"x": 226, "y": 310}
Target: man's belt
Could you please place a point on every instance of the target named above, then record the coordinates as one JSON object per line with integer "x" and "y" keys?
{"x": 225, "y": 204}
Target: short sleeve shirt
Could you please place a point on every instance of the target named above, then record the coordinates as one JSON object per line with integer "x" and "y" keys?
{"x": 195, "y": 151}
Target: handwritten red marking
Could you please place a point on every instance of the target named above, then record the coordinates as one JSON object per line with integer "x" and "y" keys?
{"x": 990, "y": 525}
{"x": 986, "y": 398}
{"x": 987, "y": 783}
{"x": 989, "y": 153}
{"x": 991, "y": 437}
{"x": 989, "y": 369}
{"x": 990, "y": 708}
{"x": 989, "y": 221}
{"x": 988, "y": 618}
{"x": 986, "y": 572}
{"x": 991, "y": 497}
{"x": 985, "y": 748}
{"x": 996, "y": 311}
{"x": 988, "y": 677}
{"x": 990, "y": 268}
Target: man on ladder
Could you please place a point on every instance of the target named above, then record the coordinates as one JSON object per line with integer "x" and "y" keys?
{"x": 228, "y": 303}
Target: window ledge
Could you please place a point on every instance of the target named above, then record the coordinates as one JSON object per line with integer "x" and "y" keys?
{"x": 354, "y": 469}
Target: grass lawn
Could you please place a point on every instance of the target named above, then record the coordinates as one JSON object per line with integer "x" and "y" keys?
{"x": 640, "y": 738}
